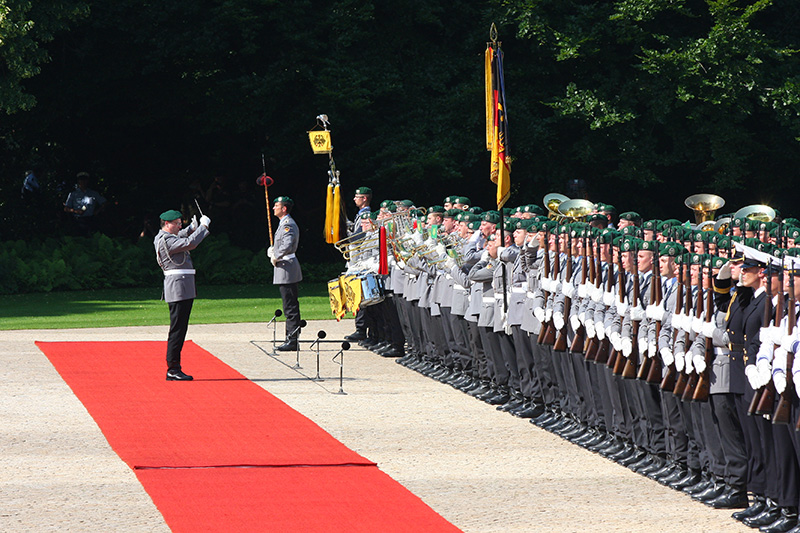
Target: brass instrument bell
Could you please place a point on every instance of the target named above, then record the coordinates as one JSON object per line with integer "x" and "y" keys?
{"x": 551, "y": 202}
{"x": 764, "y": 213}
{"x": 576, "y": 210}
{"x": 704, "y": 206}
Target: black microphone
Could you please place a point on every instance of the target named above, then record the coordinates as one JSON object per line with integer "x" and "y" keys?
{"x": 320, "y": 335}
{"x": 303, "y": 324}
{"x": 278, "y": 313}
{"x": 345, "y": 345}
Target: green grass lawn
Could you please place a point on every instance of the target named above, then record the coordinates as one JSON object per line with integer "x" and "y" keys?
{"x": 143, "y": 307}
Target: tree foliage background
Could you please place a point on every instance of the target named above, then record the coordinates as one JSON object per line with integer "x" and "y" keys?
{"x": 646, "y": 101}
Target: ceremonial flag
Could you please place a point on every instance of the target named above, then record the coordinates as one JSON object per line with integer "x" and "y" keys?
{"x": 497, "y": 124}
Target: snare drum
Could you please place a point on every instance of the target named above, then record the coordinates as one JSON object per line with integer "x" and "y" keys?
{"x": 372, "y": 289}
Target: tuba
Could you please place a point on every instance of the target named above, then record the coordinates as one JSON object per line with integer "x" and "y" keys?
{"x": 704, "y": 206}
{"x": 575, "y": 210}
{"x": 551, "y": 202}
{"x": 764, "y": 213}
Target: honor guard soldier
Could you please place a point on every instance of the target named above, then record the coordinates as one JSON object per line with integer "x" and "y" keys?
{"x": 287, "y": 273}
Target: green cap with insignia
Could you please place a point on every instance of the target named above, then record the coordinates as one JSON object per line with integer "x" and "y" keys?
{"x": 387, "y": 203}
{"x": 462, "y": 200}
{"x": 671, "y": 249}
{"x": 630, "y": 216}
{"x": 718, "y": 262}
{"x": 449, "y": 200}
{"x": 598, "y": 217}
{"x": 392, "y": 208}
{"x": 493, "y": 217}
{"x": 406, "y": 203}
{"x": 452, "y": 213}
{"x": 477, "y": 210}
{"x": 651, "y": 225}
{"x": 438, "y": 209}
{"x": 364, "y": 190}
{"x": 170, "y": 215}
{"x": 632, "y": 231}
{"x": 649, "y": 246}
{"x": 474, "y": 224}
{"x": 510, "y": 224}
{"x": 285, "y": 200}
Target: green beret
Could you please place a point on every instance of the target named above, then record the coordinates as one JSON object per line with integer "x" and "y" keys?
{"x": 452, "y": 213}
{"x": 697, "y": 259}
{"x": 507, "y": 211}
{"x": 538, "y": 209}
{"x": 285, "y": 200}
{"x": 598, "y": 217}
{"x": 607, "y": 208}
{"x": 372, "y": 215}
{"x": 462, "y": 200}
{"x": 510, "y": 224}
{"x": 793, "y": 233}
{"x": 752, "y": 225}
{"x": 438, "y": 209}
{"x": 364, "y": 190}
{"x": 493, "y": 217}
{"x": 651, "y": 224}
{"x": 473, "y": 224}
{"x": 718, "y": 262}
{"x": 791, "y": 222}
{"x": 738, "y": 222}
{"x": 607, "y": 236}
{"x": 617, "y": 240}
{"x": 170, "y": 215}
{"x": 534, "y": 226}
{"x": 518, "y": 209}
{"x": 406, "y": 203}
{"x": 522, "y": 223}
{"x": 631, "y": 216}
{"x": 630, "y": 244}
{"x": 475, "y": 210}
{"x": 671, "y": 249}
{"x": 387, "y": 203}
{"x": 391, "y": 207}
{"x": 415, "y": 213}
{"x": 650, "y": 246}
{"x": 449, "y": 200}
{"x": 724, "y": 242}
{"x": 633, "y": 231}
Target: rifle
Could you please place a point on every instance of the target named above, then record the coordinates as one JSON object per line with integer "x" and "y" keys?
{"x": 657, "y": 290}
{"x": 668, "y": 382}
{"x": 781, "y": 415}
{"x": 616, "y": 361}
{"x": 543, "y": 330}
{"x": 681, "y": 380}
{"x": 704, "y": 379}
{"x": 587, "y": 264}
{"x": 629, "y": 372}
{"x": 561, "y": 342}
{"x": 603, "y": 346}
{"x": 693, "y": 377}
{"x": 764, "y": 398}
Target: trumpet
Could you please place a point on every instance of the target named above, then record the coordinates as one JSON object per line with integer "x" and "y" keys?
{"x": 357, "y": 243}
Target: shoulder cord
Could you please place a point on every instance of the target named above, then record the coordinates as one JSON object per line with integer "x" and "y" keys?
{"x": 163, "y": 242}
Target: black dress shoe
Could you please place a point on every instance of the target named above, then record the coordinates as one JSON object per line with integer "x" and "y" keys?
{"x": 513, "y": 403}
{"x": 769, "y": 515}
{"x": 534, "y": 411}
{"x": 698, "y": 487}
{"x": 288, "y": 346}
{"x": 711, "y": 493}
{"x": 178, "y": 375}
{"x": 757, "y": 507}
{"x": 679, "y": 473}
{"x": 691, "y": 478}
{"x": 392, "y": 352}
{"x": 656, "y": 464}
{"x": 356, "y": 336}
{"x": 781, "y": 525}
{"x": 635, "y": 458}
{"x": 730, "y": 499}
{"x": 644, "y": 462}
{"x": 665, "y": 471}
{"x": 498, "y": 399}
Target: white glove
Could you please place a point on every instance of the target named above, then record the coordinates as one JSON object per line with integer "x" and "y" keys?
{"x": 627, "y": 346}
{"x": 648, "y": 311}
{"x": 545, "y": 284}
{"x": 765, "y": 336}
{"x": 583, "y": 290}
{"x": 725, "y": 271}
{"x": 659, "y": 312}
{"x": 764, "y": 369}
{"x": 271, "y": 252}
{"x": 590, "y": 329}
{"x": 666, "y": 356}
{"x": 193, "y": 225}
{"x": 787, "y": 341}
{"x": 558, "y": 320}
{"x": 699, "y": 361}
{"x": 697, "y": 325}
{"x": 608, "y": 299}
{"x": 616, "y": 341}
{"x": 582, "y": 317}
{"x": 652, "y": 349}
{"x": 765, "y": 352}
{"x": 688, "y": 362}
{"x": 597, "y": 294}
{"x": 779, "y": 379}
{"x": 679, "y": 361}
{"x": 539, "y": 314}
{"x": 548, "y": 314}
{"x": 637, "y": 313}
{"x": 205, "y": 221}
{"x": 600, "y": 329}
{"x": 622, "y": 307}
{"x": 796, "y": 379}
{"x": 556, "y": 286}
{"x": 642, "y": 346}
{"x": 449, "y": 263}
{"x": 568, "y": 289}
{"x": 485, "y": 256}
{"x": 575, "y": 322}
{"x": 708, "y": 329}
{"x": 274, "y": 261}
{"x": 752, "y": 376}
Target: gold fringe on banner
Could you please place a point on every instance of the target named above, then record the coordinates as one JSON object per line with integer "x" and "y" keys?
{"x": 336, "y": 223}
{"x": 329, "y": 215}
{"x": 488, "y": 56}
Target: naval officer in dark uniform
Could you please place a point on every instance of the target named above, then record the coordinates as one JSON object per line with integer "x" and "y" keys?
{"x": 287, "y": 269}
{"x": 172, "y": 246}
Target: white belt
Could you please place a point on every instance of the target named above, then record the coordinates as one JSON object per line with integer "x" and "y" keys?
{"x": 285, "y": 257}
{"x": 487, "y": 300}
{"x": 498, "y": 296}
{"x": 179, "y": 272}
{"x": 518, "y": 290}
{"x": 459, "y": 287}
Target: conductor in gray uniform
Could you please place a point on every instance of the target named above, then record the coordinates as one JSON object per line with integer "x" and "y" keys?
{"x": 287, "y": 269}
{"x": 172, "y": 246}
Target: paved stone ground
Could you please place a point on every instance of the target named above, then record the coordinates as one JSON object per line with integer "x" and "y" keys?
{"x": 481, "y": 469}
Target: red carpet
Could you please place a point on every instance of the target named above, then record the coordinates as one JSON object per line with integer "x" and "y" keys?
{"x": 186, "y": 440}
